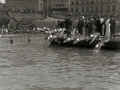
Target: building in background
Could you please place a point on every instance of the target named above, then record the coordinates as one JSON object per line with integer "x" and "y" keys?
{"x": 24, "y": 5}
{"x": 42, "y": 5}
{"x": 95, "y": 7}
{"x": 1, "y": 6}
{"x": 60, "y": 5}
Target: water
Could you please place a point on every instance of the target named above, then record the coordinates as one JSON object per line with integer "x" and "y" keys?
{"x": 37, "y": 66}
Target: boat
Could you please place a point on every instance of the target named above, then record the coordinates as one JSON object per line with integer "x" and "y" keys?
{"x": 113, "y": 44}
{"x": 4, "y": 18}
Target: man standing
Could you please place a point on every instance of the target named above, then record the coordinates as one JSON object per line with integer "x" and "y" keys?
{"x": 67, "y": 22}
{"x": 91, "y": 26}
{"x": 98, "y": 24}
{"x": 80, "y": 25}
{"x": 70, "y": 23}
{"x": 112, "y": 27}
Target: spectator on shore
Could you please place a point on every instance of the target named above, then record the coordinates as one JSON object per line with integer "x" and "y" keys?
{"x": 3, "y": 28}
{"x": 80, "y": 25}
{"x": 107, "y": 23}
{"x": 112, "y": 27}
{"x": 101, "y": 26}
{"x": 104, "y": 26}
{"x": 70, "y": 23}
{"x": 86, "y": 27}
{"x": 59, "y": 24}
{"x": 67, "y": 22}
{"x": 98, "y": 24}
{"x": 91, "y": 26}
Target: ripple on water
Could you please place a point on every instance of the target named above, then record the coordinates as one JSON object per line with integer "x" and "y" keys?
{"x": 36, "y": 66}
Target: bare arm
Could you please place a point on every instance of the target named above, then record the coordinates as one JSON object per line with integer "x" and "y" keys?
{"x": 93, "y": 40}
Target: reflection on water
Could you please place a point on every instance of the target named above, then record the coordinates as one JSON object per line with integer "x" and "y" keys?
{"x": 37, "y": 66}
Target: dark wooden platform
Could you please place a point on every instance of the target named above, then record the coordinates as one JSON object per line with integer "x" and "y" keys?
{"x": 112, "y": 44}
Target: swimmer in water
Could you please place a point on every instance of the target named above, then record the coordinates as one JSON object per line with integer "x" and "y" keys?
{"x": 28, "y": 38}
{"x": 11, "y": 40}
{"x": 101, "y": 43}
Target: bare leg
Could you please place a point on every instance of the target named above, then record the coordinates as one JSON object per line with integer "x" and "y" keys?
{"x": 93, "y": 39}
{"x": 56, "y": 40}
{"x": 99, "y": 47}
{"x": 68, "y": 39}
{"x": 96, "y": 48}
{"x": 77, "y": 40}
{"x": 61, "y": 34}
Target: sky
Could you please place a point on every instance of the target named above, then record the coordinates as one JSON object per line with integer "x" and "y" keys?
{"x": 3, "y": 1}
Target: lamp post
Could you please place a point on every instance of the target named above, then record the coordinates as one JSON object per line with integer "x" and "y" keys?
{"x": 69, "y": 6}
{"x": 47, "y": 8}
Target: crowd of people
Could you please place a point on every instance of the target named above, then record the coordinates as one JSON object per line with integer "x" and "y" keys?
{"x": 88, "y": 25}
{"x": 17, "y": 28}
{"x": 87, "y": 28}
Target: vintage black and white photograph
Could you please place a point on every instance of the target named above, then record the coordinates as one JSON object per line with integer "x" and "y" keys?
{"x": 59, "y": 44}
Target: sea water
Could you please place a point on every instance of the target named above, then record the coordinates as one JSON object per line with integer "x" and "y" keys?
{"x": 36, "y": 66}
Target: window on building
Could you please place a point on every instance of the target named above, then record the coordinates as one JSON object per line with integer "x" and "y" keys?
{"x": 113, "y": 0}
{"x": 113, "y": 8}
{"x": 92, "y": 2}
{"x": 76, "y": 9}
{"x": 87, "y": 9}
{"x": 82, "y": 9}
{"x": 101, "y": 8}
{"x": 96, "y": 1}
{"x": 108, "y": 8}
{"x": 87, "y": 2}
{"x": 4, "y": 7}
{"x": 77, "y": 2}
{"x": 72, "y": 3}
{"x": 71, "y": 9}
{"x": 82, "y": 2}
{"x": 96, "y": 9}
{"x": 91, "y": 8}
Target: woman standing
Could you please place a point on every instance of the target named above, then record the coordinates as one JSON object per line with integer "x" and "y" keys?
{"x": 107, "y": 23}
